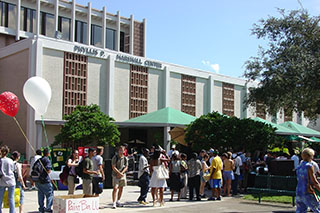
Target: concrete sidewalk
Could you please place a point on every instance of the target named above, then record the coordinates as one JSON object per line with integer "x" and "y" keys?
{"x": 131, "y": 193}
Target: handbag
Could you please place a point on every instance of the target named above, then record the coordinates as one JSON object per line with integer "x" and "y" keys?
{"x": 16, "y": 198}
{"x": 313, "y": 191}
{"x": 206, "y": 176}
{"x": 162, "y": 172}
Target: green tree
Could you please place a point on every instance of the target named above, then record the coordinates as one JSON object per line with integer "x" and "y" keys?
{"x": 224, "y": 133}
{"x": 88, "y": 125}
{"x": 288, "y": 68}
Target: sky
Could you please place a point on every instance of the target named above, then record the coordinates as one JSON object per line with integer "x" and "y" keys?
{"x": 211, "y": 35}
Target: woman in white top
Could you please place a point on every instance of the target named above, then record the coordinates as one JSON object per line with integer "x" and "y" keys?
{"x": 205, "y": 169}
{"x": 155, "y": 182}
{"x": 19, "y": 179}
{"x": 72, "y": 163}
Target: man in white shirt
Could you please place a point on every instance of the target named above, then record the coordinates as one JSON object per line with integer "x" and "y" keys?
{"x": 98, "y": 166}
{"x": 143, "y": 175}
{"x": 237, "y": 164}
{"x": 295, "y": 159}
{"x": 173, "y": 151}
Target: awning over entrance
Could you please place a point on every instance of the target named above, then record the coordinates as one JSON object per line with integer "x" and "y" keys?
{"x": 302, "y": 130}
{"x": 281, "y": 130}
{"x": 166, "y": 117}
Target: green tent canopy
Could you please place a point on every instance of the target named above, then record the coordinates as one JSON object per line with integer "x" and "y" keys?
{"x": 301, "y": 130}
{"x": 166, "y": 116}
{"x": 317, "y": 140}
{"x": 281, "y": 130}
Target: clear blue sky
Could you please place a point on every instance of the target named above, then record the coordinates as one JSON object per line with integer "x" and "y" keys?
{"x": 205, "y": 33}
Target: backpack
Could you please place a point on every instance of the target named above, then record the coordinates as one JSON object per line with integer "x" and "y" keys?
{"x": 79, "y": 169}
{"x": 37, "y": 170}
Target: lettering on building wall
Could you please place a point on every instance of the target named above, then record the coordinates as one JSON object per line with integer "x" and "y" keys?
{"x": 138, "y": 61}
{"x": 88, "y": 51}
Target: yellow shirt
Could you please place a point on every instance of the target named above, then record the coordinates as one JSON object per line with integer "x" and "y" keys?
{"x": 217, "y": 164}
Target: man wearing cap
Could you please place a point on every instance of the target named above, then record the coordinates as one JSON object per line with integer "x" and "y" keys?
{"x": 215, "y": 176}
{"x": 173, "y": 151}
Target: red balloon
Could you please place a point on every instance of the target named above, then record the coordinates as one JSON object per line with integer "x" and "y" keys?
{"x": 9, "y": 103}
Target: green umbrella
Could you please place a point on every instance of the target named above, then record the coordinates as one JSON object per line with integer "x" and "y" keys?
{"x": 301, "y": 130}
{"x": 317, "y": 140}
{"x": 281, "y": 130}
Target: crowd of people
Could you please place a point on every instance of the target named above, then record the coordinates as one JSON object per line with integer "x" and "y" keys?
{"x": 187, "y": 177}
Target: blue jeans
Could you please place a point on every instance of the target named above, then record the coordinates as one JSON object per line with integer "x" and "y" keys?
{"x": 144, "y": 186}
{"x": 10, "y": 196}
{"x": 45, "y": 190}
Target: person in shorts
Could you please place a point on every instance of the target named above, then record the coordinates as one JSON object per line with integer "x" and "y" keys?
{"x": 119, "y": 167}
{"x": 215, "y": 176}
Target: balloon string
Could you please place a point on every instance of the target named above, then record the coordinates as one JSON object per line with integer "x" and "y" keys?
{"x": 17, "y": 122}
{"x": 45, "y": 131}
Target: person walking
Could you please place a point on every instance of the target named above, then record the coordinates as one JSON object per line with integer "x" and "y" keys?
{"x": 215, "y": 176}
{"x": 175, "y": 180}
{"x": 307, "y": 181}
{"x": 204, "y": 171}
{"x": 88, "y": 172}
{"x": 44, "y": 186}
{"x": 143, "y": 175}
{"x": 98, "y": 166}
{"x": 72, "y": 163}
{"x": 194, "y": 168}
{"x": 18, "y": 177}
{"x": 7, "y": 179}
{"x": 156, "y": 183}
{"x": 119, "y": 164}
{"x": 228, "y": 176}
{"x": 184, "y": 176}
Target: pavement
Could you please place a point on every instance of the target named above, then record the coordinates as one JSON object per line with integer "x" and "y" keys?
{"x": 131, "y": 193}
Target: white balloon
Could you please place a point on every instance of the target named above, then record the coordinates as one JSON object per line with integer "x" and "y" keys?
{"x": 37, "y": 93}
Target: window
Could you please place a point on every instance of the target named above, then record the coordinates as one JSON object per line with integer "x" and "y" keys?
{"x": 110, "y": 39}
{"x": 188, "y": 94}
{"x": 96, "y": 38}
{"x": 8, "y": 15}
{"x": 75, "y": 81}
{"x": 28, "y": 20}
{"x": 64, "y": 25}
{"x": 228, "y": 99}
{"x": 260, "y": 110}
{"x": 138, "y": 91}
{"x": 47, "y": 24}
{"x": 81, "y": 32}
{"x": 122, "y": 35}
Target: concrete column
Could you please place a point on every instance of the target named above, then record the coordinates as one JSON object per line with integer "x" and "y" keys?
{"x": 104, "y": 25}
{"x": 166, "y": 86}
{"x": 110, "y": 86}
{"x": 18, "y": 20}
{"x": 166, "y": 138}
{"x": 38, "y": 17}
{"x": 210, "y": 94}
{"x": 144, "y": 37}
{"x": 39, "y": 136}
{"x": 118, "y": 32}
{"x": 73, "y": 21}
{"x": 56, "y": 15}
{"x": 131, "y": 35}
{"x": 89, "y": 24}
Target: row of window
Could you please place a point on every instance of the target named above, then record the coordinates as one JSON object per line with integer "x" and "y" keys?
{"x": 28, "y": 24}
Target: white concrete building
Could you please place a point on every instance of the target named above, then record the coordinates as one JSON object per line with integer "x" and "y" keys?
{"x": 91, "y": 56}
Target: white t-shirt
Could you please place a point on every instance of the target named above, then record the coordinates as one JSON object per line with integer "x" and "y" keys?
{"x": 7, "y": 170}
{"x": 315, "y": 167}
{"x": 97, "y": 161}
{"x": 296, "y": 161}
{"x": 33, "y": 160}
{"x": 143, "y": 163}
{"x": 237, "y": 164}
{"x": 171, "y": 152}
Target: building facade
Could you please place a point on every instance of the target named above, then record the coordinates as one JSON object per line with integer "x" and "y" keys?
{"x": 91, "y": 56}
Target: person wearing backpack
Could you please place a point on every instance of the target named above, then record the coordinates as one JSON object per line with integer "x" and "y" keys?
{"x": 44, "y": 185}
{"x": 7, "y": 180}
{"x": 119, "y": 164}
{"x": 88, "y": 172}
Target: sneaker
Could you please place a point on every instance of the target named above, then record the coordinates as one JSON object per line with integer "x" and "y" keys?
{"x": 118, "y": 204}
{"x": 114, "y": 206}
{"x": 219, "y": 198}
{"x": 212, "y": 198}
{"x": 143, "y": 202}
{"x": 203, "y": 196}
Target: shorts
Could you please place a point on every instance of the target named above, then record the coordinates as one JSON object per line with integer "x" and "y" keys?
{"x": 116, "y": 182}
{"x": 228, "y": 175}
{"x": 215, "y": 183}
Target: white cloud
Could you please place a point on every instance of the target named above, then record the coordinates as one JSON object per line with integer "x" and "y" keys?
{"x": 214, "y": 67}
